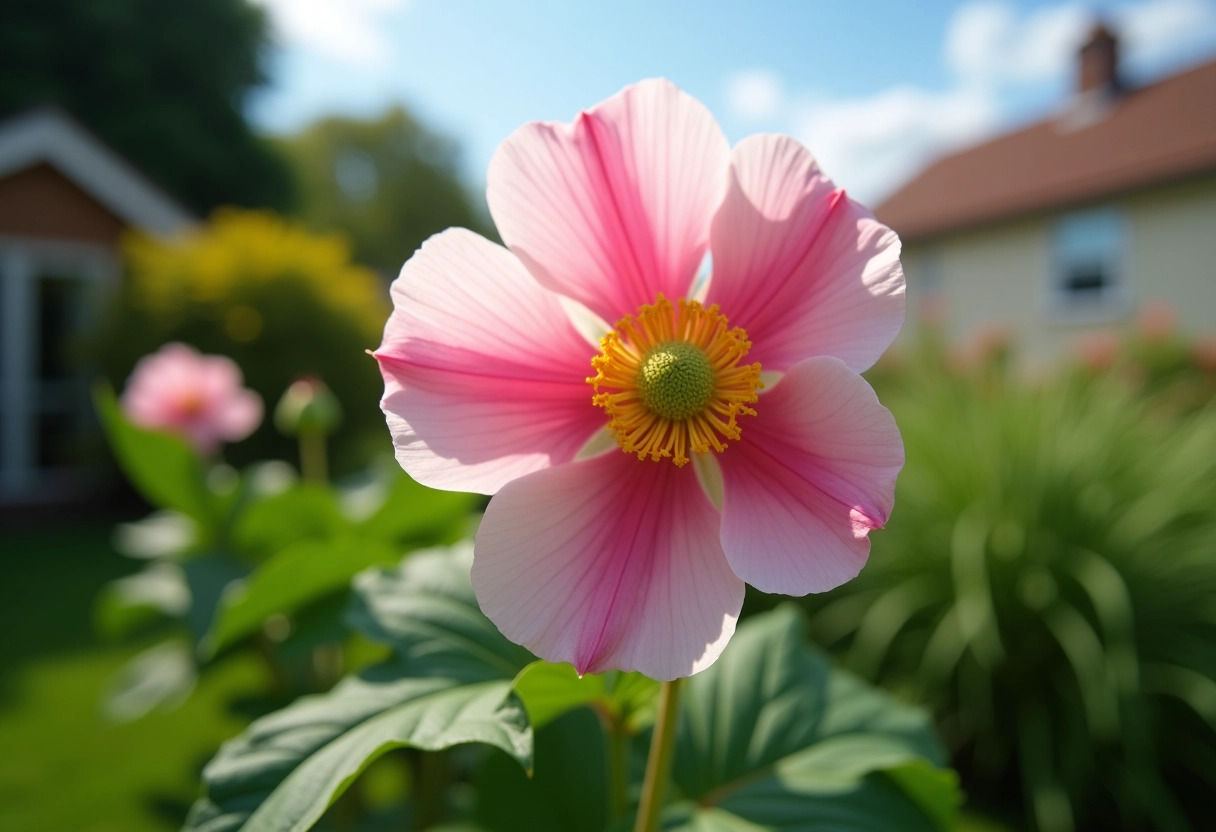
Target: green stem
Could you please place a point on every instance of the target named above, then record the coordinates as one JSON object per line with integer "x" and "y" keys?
{"x": 313, "y": 466}
{"x": 658, "y": 764}
{"x": 617, "y": 739}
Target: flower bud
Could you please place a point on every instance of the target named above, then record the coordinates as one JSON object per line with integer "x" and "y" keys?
{"x": 308, "y": 407}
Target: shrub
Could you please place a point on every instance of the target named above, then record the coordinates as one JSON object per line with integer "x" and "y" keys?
{"x": 281, "y": 301}
{"x": 1047, "y": 585}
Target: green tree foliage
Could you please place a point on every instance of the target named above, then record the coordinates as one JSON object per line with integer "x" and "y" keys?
{"x": 161, "y": 83}
{"x": 387, "y": 184}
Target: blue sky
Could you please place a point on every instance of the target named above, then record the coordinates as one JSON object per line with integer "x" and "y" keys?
{"x": 875, "y": 89}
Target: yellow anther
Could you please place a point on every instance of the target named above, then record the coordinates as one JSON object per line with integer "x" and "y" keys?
{"x": 670, "y": 381}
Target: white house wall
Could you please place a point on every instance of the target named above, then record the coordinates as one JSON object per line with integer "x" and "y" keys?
{"x": 994, "y": 280}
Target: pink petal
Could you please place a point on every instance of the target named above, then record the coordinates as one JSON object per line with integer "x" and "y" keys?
{"x": 484, "y": 376}
{"x": 216, "y": 377}
{"x": 813, "y": 474}
{"x": 804, "y": 269}
{"x": 608, "y": 563}
{"x": 239, "y": 415}
{"x": 614, "y": 208}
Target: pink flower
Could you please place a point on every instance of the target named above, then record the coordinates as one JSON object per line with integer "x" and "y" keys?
{"x": 636, "y": 560}
{"x": 198, "y": 397}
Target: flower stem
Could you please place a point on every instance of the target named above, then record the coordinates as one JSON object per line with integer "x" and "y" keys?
{"x": 658, "y": 765}
{"x": 618, "y": 768}
{"x": 313, "y": 466}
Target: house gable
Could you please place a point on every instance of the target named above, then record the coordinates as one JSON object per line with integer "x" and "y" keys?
{"x": 49, "y": 138}
{"x": 39, "y": 201}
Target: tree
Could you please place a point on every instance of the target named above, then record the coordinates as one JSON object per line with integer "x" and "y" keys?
{"x": 388, "y": 184}
{"x": 163, "y": 83}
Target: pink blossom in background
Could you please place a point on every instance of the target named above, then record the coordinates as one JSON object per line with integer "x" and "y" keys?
{"x": 603, "y": 548}
{"x": 1157, "y": 320}
{"x": 1204, "y": 352}
{"x": 198, "y": 397}
{"x": 1098, "y": 351}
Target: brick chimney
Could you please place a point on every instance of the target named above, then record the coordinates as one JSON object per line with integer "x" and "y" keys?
{"x": 1099, "y": 68}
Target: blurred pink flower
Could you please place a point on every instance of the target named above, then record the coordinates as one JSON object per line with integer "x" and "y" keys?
{"x": 198, "y": 397}
{"x": 1156, "y": 320}
{"x": 1204, "y": 352}
{"x": 1097, "y": 351}
{"x": 636, "y": 560}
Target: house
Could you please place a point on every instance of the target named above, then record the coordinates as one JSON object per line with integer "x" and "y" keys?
{"x": 65, "y": 201}
{"x": 1073, "y": 223}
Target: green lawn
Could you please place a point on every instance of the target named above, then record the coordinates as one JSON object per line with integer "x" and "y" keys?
{"x": 63, "y": 766}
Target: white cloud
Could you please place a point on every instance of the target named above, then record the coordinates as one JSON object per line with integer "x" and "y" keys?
{"x": 350, "y": 31}
{"x": 1151, "y": 30}
{"x": 989, "y": 42}
{"x": 868, "y": 145}
{"x": 754, "y": 95}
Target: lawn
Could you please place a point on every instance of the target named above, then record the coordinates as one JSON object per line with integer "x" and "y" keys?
{"x": 64, "y": 766}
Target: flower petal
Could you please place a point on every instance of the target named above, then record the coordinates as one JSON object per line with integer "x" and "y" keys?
{"x": 614, "y": 208}
{"x": 239, "y": 415}
{"x": 484, "y": 376}
{"x": 813, "y": 474}
{"x": 608, "y": 563}
{"x": 804, "y": 269}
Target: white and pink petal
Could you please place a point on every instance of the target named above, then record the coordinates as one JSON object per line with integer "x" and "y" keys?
{"x": 800, "y": 266}
{"x": 484, "y": 374}
{"x": 813, "y": 474}
{"x": 615, "y": 208}
{"x": 609, "y": 563}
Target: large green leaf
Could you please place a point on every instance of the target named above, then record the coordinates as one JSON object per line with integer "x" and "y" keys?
{"x": 156, "y": 592}
{"x": 164, "y": 469}
{"x": 208, "y": 576}
{"x": 298, "y": 575}
{"x": 162, "y": 676}
{"x": 426, "y": 612}
{"x": 306, "y": 511}
{"x": 449, "y": 682}
{"x": 403, "y": 511}
{"x": 550, "y": 690}
{"x": 567, "y": 792}
{"x": 289, "y": 767}
{"x": 772, "y": 738}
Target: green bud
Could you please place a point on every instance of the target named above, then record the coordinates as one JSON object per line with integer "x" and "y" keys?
{"x": 308, "y": 407}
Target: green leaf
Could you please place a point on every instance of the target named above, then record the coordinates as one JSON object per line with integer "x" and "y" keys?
{"x": 161, "y": 466}
{"x": 162, "y": 676}
{"x": 289, "y": 767}
{"x": 161, "y": 535}
{"x": 550, "y": 690}
{"x": 298, "y": 575}
{"x": 412, "y": 513}
{"x": 771, "y": 737}
{"x": 156, "y": 592}
{"x": 208, "y": 576}
{"x": 426, "y": 612}
{"x": 565, "y": 794}
{"x": 306, "y": 511}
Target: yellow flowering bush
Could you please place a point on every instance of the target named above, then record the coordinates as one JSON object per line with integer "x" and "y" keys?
{"x": 280, "y": 300}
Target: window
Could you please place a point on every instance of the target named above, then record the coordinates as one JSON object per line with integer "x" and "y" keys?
{"x": 1088, "y": 276}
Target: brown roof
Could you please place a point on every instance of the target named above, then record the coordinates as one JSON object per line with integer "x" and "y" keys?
{"x": 1159, "y": 133}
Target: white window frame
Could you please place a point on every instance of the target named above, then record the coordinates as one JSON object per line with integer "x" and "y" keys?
{"x": 24, "y": 261}
{"x": 1109, "y": 244}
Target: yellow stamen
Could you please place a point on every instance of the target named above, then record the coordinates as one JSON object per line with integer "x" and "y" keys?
{"x": 670, "y": 381}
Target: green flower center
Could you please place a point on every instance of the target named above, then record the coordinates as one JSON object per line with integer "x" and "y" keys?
{"x": 676, "y": 380}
